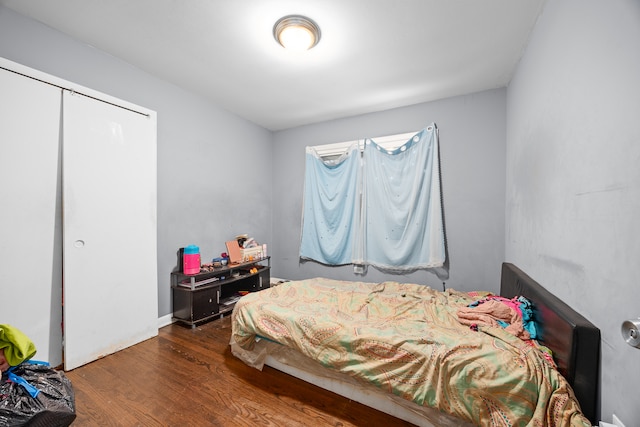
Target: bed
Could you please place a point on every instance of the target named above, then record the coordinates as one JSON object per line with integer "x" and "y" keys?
{"x": 407, "y": 350}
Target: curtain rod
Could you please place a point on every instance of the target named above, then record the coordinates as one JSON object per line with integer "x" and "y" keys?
{"x": 73, "y": 91}
{"x": 389, "y": 142}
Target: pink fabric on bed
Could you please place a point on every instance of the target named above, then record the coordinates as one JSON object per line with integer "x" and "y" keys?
{"x": 513, "y": 303}
{"x": 489, "y": 312}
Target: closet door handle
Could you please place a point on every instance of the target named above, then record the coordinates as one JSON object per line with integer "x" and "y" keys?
{"x": 78, "y": 243}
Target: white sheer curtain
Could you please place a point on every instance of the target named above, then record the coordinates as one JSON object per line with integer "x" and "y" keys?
{"x": 402, "y": 224}
{"x": 384, "y": 211}
{"x": 331, "y": 207}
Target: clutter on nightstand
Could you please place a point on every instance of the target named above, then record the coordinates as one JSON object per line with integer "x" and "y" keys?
{"x": 245, "y": 248}
{"x": 213, "y": 292}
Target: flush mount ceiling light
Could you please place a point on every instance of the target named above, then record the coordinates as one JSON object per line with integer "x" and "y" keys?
{"x": 296, "y": 32}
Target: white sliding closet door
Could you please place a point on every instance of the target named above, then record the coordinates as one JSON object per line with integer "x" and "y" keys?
{"x": 30, "y": 225}
{"x": 109, "y": 218}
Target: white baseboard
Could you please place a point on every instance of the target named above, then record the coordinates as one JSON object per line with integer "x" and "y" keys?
{"x": 165, "y": 320}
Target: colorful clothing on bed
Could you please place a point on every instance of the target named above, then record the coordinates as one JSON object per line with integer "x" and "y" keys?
{"x": 515, "y": 315}
{"x": 407, "y": 339}
{"x": 492, "y": 312}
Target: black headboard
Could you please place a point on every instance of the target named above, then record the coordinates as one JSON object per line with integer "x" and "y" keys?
{"x": 574, "y": 340}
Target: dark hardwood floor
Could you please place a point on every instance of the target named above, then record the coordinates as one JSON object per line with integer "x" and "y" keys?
{"x": 188, "y": 377}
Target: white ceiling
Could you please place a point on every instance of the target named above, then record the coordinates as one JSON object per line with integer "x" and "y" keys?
{"x": 373, "y": 54}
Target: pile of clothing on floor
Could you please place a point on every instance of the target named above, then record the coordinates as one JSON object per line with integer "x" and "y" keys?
{"x": 31, "y": 392}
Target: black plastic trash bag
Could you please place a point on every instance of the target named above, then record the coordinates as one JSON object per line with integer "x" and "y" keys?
{"x": 52, "y": 406}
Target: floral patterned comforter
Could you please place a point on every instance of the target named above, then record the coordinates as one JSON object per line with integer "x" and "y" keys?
{"x": 407, "y": 339}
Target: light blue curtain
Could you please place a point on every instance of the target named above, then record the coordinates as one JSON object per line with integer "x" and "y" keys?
{"x": 402, "y": 225}
{"x": 382, "y": 208}
{"x": 331, "y": 207}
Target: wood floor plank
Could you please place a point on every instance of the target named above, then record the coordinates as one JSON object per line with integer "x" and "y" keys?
{"x": 188, "y": 377}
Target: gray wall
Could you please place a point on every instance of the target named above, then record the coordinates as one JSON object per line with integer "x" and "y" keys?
{"x": 472, "y": 150}
{"x": 573, "y": 174}
{"x": 201, "y": 148}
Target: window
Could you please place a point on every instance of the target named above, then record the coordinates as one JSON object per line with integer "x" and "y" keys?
{"x": 333, "y": 151}
{"x": 375, "y": 202}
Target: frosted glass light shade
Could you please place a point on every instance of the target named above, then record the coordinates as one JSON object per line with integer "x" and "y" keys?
{"x": 296, "y": 32}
